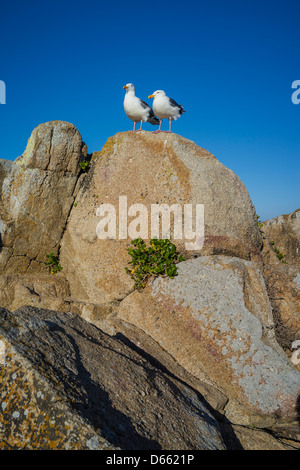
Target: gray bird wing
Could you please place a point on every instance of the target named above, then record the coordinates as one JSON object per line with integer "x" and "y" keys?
{"x": 146, "y": 106}
{"x": 176, "y": 105}
{"x": 173, "y": 103}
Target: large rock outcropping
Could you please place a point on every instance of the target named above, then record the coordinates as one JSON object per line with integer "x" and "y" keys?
{"x": 152, "y": 169}
{"x": 217, "y": 326}
{"x": 36, "y": 197}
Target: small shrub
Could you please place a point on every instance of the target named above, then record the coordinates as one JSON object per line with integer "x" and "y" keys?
{"x": 84, "y": 165}
{"x": 159, "y": 258}
{"x": 280, "y": 255}
{"x": 53, "y": 263}
{"x": 259, "y": 223}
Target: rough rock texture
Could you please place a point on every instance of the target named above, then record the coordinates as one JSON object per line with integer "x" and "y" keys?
{"x": 5, "y": 167}
{"x": 283, "y": 282}
{"x": 283, "y": 276}
{"x": 284, "y": 231}
{"x": 37, "y": 195}
{"x": 38, "y": 290}
{"x": 215, "y": 320}
{"x": 152, "y": 169}
{"x": 280, "y": 436}
{"x": 136, "y": 338}
{"x": 257, "y": 439}
{"x": 67, "y": 385}
{"x": 222, "y": 329}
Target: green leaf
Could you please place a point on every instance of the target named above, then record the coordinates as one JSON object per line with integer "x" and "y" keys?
{"x": 159, "y": 258}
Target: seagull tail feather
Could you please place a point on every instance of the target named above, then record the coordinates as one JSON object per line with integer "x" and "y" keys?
{"x": 153, "y": 120}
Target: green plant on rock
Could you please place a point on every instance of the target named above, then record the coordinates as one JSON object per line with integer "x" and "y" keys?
{"x": 159, "y": 258}
{"x": 53, "y": 263}
{"x": 84, "y": 165}
{"x": 280, "y": 255}
{"x": 259, "y": 223}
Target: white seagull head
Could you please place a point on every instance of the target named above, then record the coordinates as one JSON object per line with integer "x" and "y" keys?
{"x": 129, "y": 87}
{"x": 157, "y": 93}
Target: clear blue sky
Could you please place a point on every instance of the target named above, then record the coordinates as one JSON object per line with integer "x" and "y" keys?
{"x": 230, "y": 63}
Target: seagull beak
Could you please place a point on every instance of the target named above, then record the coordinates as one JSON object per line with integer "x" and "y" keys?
{"x": 125, "y": 87}
{"x": 151, "y": 96}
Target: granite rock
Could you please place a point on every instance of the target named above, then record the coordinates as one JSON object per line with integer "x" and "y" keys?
{"x": 152, "y": 169}
{"x": 215, "y": 319}
{"x": 67, "y": 385}
{"x": 36, "y": 197}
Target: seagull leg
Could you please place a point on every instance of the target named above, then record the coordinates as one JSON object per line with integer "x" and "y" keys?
{"x": 169, "y": 131}
{"x": 134, "y": 125}
{"x": 158, "y": 130}
{"x": 140, "y": 127}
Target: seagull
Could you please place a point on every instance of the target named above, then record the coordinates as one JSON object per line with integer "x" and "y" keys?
{"x": 137, "y": 110}
{"x": 165, "y": 108}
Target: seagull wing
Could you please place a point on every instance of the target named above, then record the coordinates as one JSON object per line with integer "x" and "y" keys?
{"x": 176, "y": 105}
{"x": 152, "y": 118}
{"x": 144, "y": 104}
{"x": 173, "y": 103}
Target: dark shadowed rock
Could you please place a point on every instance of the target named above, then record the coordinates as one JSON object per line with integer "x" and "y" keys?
{"x": 66, "y": 384}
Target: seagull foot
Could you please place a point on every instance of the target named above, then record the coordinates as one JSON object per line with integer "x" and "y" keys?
{"x": 157, "y": 132}
{"x": 168, "y": 132}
